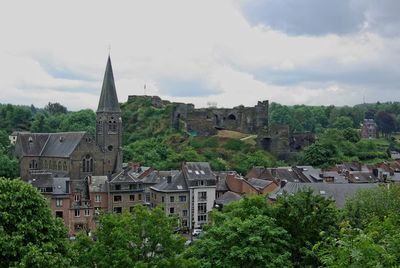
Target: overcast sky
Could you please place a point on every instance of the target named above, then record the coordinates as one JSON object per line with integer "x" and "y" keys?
{"x": 206, "y": 51}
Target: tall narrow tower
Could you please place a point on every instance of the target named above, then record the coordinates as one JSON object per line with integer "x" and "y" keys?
{"x": 109, "y": 124}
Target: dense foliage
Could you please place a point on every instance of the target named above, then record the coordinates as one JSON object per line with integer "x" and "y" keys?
{"x": 143, "y": 238}
{"x": 336, "y": 146}
{"x": 300, "y": 230}
{"x": 317, "y": 118}
{"x": 29, "y": 235}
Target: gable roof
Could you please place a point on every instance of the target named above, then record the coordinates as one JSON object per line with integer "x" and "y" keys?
{"x": 198, "y": 171}
{"x": 177, "y": 184}
{"x": 258, "y": 183}
{"x": 108, "y": 99}
{"x": 227, "y": 198}
{"x": 339, "y": 192}
{"x": 60, "y": 144}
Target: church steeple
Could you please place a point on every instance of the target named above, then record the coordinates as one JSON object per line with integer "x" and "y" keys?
{"x": 108, "y": 98}
{"x": 109, "y": 124}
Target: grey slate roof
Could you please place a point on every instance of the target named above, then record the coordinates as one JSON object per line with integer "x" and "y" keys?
{"x": 285, "y": 174}
{"x": 60, "y": 144}
{"x": 339, "y": 192}
{"x": 108, "y": 99}
{"x": 198, "y": 171}
{"x": 227, "y": 198}
{"x": 98, "y": 184}
{"x": 221, "y": 181}
{"x": 158, "y": 176}
{"x": 177, "y": 184}
{"x": 258, "y": 183}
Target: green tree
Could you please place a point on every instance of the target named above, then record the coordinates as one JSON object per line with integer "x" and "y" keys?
{"x": 55, "y": 108}
{"x": 342, "y": 122}
{"x": 305, "y": 217}
{"x": 377, "y": 202}
{"x": 243, "y": 235}
{"x": 29, "y": 235}
{"x": 143, "y": 238}
{"x": 378, "y": 245}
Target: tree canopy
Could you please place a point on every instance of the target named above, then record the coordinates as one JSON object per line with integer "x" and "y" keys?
{"x": 29, "y": 235}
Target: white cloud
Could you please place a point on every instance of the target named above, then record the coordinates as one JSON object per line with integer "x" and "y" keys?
{"x": 56, "y": 51}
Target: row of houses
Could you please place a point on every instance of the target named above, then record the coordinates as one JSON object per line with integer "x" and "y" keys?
{"x": 191, "y": 192}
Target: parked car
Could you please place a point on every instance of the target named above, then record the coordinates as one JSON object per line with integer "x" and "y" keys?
{"x": 196, "y": 232}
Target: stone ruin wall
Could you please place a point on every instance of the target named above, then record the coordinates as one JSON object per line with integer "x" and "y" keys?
{"x": 276, "y": 139}
{"x": 207, "y": 121}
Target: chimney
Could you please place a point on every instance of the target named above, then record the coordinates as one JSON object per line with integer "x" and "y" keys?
{"x": 135, "y": 166}
{"x": 169, "y": 179}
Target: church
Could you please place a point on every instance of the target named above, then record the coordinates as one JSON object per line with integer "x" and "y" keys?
{"x": 77, "y": 154}
{"x": 72, "y": 169}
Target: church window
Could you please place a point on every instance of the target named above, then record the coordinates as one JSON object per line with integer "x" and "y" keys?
{"x": 112, "y": 125}
{"x": 87, "y": 164}
{"x": 59, "y": 165}
{"x": 100, "y": 127}
{"x": 54, "y": 166}
{"x": 45, "y": 164}
{"x": 33, "y": 164}
{"x": 65, "y": 166}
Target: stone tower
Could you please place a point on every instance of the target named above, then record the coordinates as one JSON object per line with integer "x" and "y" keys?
{"x": 109, "y": 124}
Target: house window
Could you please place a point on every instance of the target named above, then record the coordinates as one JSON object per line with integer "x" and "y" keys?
{"x": 140, "y": 197}
{"x": 117, "y": 187}
{"x": 117, "y": 210}
{"x": 182, "y": 198}
{"x": 184, "y": 213}
{"x": 132, "y": 186}
{"x": 59, "y": 202}
{"x": 131, "y": 209}
{"x": 65, "y": 166}
{"x": 87, "y": 164}
{"x": 171, "y": 199}
{"x": 184, "y": 223}
{"x": 59, "y": 165}
{"x": 45, "y": 164}
{"x": 162, "y": 199}
{"x": 202, "y": 208}
{"x": 132, "y": 197}
{"x": 117, "y": 198}
{"x": 59, "y": 214}
{"x": 202, "y": 218}
{"x": 87, "y": 212}
{"x": 171, "y": 210}
{"x": 77, "y": 213}
{"x": 202, "y": 196}
{"x": 77, "y": 197}
{"x": 98, "y": 198}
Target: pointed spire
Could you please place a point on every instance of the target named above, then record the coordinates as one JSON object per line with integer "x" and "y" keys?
{"x": 108, "y": 98}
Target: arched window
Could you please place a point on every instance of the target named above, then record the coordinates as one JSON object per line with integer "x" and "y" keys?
{"x": 45, "y": 164}
{"x": 54, "y": 165}
{"x": 87, "y": 164}
{"x": 112, "y": 126}
{"x": 100, "y": 127}
{"x": 65, "y": 166}
{"x": 59, "y": 165}
{"x": 33, "y": 164}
